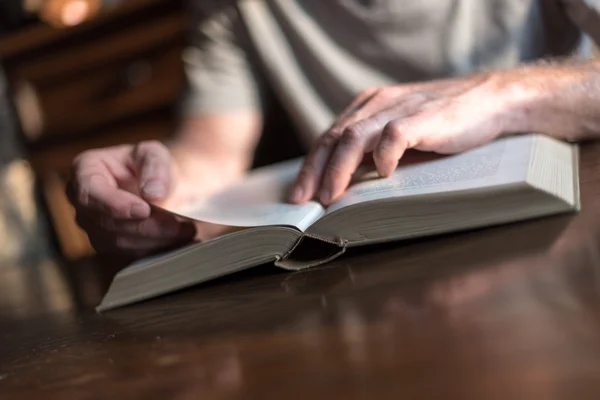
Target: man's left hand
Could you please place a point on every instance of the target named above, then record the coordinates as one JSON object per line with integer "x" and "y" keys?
{"x": 445, "y": 117}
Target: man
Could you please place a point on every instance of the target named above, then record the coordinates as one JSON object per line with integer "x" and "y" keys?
{"x": 363, "y": 80}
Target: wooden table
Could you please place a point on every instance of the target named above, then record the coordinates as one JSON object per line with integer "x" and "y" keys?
{"x": 504, "y": 313}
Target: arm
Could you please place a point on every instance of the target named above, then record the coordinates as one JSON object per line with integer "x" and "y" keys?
{"x": 560, "y": 100}
{"x": 450, "y": 116}
{"x": 584, "y": 14}
{"x": 222, "y": 104}
{"x": 453, "y": 115}
{"x": 112, "y": 188}
{"x": 212, "y": 150}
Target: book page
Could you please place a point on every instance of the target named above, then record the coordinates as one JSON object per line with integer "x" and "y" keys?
{"x": 503, "y": 160}
{"x": 257, "y": 200}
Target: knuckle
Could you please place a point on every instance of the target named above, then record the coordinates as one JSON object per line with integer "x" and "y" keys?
{"x": 393, "y": 131}
{"x": 83, "y": 157}
{"x": 328, "y": 139}
{"x": 334, "y": 171}
{"x": 352, "y": 135}
{"x": 368, "y": 91}
{"x": 307, "y": 171}
{"x": 150, "y": 146}
{"x": 420, "y": 96}
{"x": 383, "y": 94}
{"x": 115, "y": 211}
{"x": 124, "y": 243}
{"x": 107, "y": 224}
{"x": 142, "y": 228}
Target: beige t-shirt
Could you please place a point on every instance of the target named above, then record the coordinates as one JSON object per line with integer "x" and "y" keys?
{"x": 318, "y": 54}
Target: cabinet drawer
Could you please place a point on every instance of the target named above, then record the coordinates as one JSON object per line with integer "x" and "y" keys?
{"x": 93, "y": 85}
{"x": 108, "y": 95}
{"x": 110, "y": 81}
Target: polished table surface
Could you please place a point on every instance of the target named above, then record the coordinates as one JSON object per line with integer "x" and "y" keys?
{"x": 501, "y": 313}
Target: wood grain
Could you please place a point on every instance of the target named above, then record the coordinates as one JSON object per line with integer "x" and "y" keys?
{"x": 502, "y": 313}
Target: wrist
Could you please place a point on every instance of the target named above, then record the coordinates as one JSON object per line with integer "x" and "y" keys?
{"x": 554, "y": 99}
{"x": 519, "y": 102}
{"x": 191, "y": 162}
{"x": 198, "y": 174}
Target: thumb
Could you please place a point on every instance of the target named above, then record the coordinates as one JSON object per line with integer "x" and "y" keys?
{"x": 152, "y": 162}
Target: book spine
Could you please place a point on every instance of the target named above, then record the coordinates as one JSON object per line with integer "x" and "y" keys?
{"x": 310, "y": 251}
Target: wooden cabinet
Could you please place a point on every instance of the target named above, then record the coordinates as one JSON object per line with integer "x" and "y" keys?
{"x": 112, "y": 80}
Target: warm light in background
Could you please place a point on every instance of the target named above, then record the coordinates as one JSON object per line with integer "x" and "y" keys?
{"x": 63, "y": 13}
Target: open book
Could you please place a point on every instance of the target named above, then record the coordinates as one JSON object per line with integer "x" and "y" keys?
{"x": 510, "y": 179}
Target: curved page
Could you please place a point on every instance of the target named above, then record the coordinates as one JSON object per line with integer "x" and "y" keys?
{"x": 257, "y": 200}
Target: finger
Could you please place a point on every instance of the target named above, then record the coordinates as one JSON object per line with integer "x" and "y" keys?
{"x": 142, "y": 246}
{"x": 123, "y": 243}
{"x": 371, "y": 112}
{"x": 95, "y": 192}
{"x": 397, "y": 136}
{"x": 356, "y": 140}
{"x": 156, "y": 226}
{"x": 153, "y": 165}
{"x": 105, "y": 243}
{"x": 307, "y": 180}
{"x": 361, "y": 138}
{"x": 305, "y": 185}
{"x": 94, "y": 185}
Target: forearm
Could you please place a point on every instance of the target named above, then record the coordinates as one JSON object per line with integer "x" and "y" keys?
{"x": 214, "y": 149}
{"x": 561, "y": 100}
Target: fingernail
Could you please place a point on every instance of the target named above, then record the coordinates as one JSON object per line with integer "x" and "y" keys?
{"x": 297, "y": 194}
{"x": 325, "y": 196}
{"x": 384, "y": 173}
{"x": 139, "y": 211}
{"x": 388, "y": 170}
{"x": 154, "y": 189}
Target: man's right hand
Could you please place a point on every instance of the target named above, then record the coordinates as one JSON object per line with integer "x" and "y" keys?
{"x": 112, "y": 189}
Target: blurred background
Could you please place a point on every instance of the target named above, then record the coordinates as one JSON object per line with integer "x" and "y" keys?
{"x": 75, "y": 75}
{"x": 79, "y": 74}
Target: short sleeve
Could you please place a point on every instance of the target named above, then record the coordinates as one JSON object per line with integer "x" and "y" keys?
{"x": 585, "y": 15}
{"x": 220, "y": 74}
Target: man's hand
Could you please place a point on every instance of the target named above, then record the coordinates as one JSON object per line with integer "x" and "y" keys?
{"x": 446, "y": 116}
{"x": 112, "y": 189}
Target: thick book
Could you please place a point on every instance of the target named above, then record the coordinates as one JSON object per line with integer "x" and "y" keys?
{"x": 507, "y": 180}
